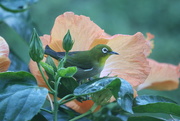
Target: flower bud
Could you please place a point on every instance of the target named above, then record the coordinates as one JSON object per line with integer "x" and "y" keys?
{"x": 67, "y": 42}
{"x": 36, "y": 51}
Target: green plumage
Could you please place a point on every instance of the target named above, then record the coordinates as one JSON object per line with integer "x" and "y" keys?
{"x": 89, "y": 63}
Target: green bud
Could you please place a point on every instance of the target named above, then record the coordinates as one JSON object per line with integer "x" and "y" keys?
{"x": 36, "y": 51}
{"x": 67, "y": 72}
{"x": 67, "y": 42}
{"x": 48, "y": 68}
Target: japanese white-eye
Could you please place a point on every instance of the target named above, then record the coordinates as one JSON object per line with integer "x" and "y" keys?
{"x": 89, "y": 63}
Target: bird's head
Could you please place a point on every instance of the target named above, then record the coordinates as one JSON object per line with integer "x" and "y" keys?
{"x": 101, "y": 52}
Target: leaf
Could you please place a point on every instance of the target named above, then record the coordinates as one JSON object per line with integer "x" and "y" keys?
{"x": 50, "y": 61}
{"x": 125, "y": 96}
{"x": 20, "y": 43}
{"x": 156, "y": 104}
{"x": 20, "y": 97}
{"x": 66, "y": 86}
{"x": 114, "y": 86}
{"x": 67, "y": 72}
{"x": 48, "y": 68}
{"x": 145, "y": 118}
{"x": 110, "y": 112}
{"x": 16, "y": 6}
{"x": 160, "y": 107}
{"x": 147, "y": 99}
{"x": 95, "y": 86}
{"x": 39, "y": 117}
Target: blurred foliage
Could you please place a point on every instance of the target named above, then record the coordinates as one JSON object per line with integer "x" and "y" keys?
{"x": 159, "y": 17}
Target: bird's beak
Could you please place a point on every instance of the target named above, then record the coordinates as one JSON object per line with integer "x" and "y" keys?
{"x": 112, "y": 52}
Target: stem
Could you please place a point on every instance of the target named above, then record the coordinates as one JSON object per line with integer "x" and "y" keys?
{"x": 56, "y": 105}
{"x": 46, "y": 81}
{"x": 61, "y": 103}
{"x": 43, "y": 109}
{"x": 67, "y": 96}
{"x": 85, "y": 114}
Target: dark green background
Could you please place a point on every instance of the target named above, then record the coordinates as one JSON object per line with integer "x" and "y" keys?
{"x": 159, "y": 17}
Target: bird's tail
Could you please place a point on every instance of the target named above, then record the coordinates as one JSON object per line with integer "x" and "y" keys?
{"x": 52, "y": 53}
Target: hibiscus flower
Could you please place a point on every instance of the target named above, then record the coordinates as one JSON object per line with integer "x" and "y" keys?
{"x": 132, "y": 63}
{"x": 4, "y": 52}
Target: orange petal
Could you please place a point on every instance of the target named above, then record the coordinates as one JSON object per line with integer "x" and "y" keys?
{"x": 4, "y": 63}
{"x": 131, "y": 64}
{"x": 4, "y": 48}
{"x": 80, "y": 107}
{"x": 82, "y": 30}
{"x": 162, "y": 76}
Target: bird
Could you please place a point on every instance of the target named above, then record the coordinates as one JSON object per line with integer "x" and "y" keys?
{"x": 89, "y": 63}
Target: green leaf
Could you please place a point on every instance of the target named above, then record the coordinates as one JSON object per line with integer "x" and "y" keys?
{"x": 66, "y": 86}
{"x": 110, "y": 112}
{"x": 20, "y": 97}
{"x": 160, "y": 107}
{"x": 145, "y": 118}
{"x": 95, "y": 86}
{"x": 114, "y": 86}
{"x": 147, "y": 99}
{"x": 39, "y": 117}
{"x": 50, "y": 61}
{"x": 48, "y": 68}
{"x": 6, "y": 31}
{"x": 102, "y": 97}
{"x": 155, "y": 104}
{"x": 16, "y": 6}
{"x": 67, "y": 72}
{"x": 125, "y": 96}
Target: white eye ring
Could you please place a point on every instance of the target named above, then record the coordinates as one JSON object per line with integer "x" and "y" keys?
{"x": 104, "y": 50}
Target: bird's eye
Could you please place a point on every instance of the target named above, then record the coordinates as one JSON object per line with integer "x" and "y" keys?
{"x": 104, "y": 50}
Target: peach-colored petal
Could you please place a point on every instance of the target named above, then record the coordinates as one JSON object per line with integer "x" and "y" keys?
{"x": 82, "y": 30}
{"x": 80, "y": 107}
{"x": 99, "y": 41}
{"x": 46, "y": 39}
{"x": 4, "y": 63}
{"x": 162, "y": 76}
{"x": 35, "y": 71}
{"x": 4, "y": 48}
{"x": 150, "y": 43}
{"x": 131, "y": 64}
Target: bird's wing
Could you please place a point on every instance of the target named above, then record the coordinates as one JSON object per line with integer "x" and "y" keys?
{"x": 83, "y": 61}
{"x": 77, "y": 58}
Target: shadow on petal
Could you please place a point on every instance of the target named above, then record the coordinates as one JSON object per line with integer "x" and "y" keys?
{"x": 162, "y": 77}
